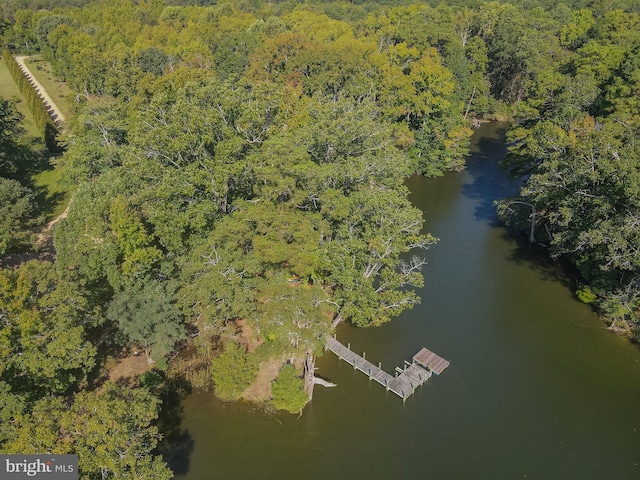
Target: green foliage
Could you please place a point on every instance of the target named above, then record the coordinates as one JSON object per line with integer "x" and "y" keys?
{"x": 580, "y": 157}
{"x": 37, "y": 429}
{"x": 586, "y": 295}
{"x": 147, "y": 316}
{"x": 574, "y": 32}
{"x": 37, "y": 108}
{"x": 293, "y": 318}
{"x": 112, "y": 433}
{"x": 245, "y": 162}
{"x": 43, "y": 344}
{"x": 133, "y": 241}
{"x": 110, "y": 430}
{"x": 586, "y": 193}
{"x": 97, "y": 139}
{"x": 84, "y": 240}
{"x": 233, "y": 371}
{"x": 287, "y": 390}
{"x": 151, "y": 379}
{"x": 152, "y": 60}
{"x": 11, "y": 407}
{"x": 217, "y": 285}
{"x": 17, "y": 205}
{"x": 44, "y": 26}
{"x": 364, "y": 258}
{"x": 10, "y": 132}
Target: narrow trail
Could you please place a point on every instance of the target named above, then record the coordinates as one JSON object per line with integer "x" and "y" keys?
{"x": 47, "y": 231}
{"x": 44, "y": 247}
{"x": 54, "y": 111}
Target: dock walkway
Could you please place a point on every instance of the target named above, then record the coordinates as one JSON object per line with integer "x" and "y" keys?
{"x": 410, "y": 377}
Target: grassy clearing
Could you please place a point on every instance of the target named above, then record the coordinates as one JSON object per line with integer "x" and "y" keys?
{"x": 57, "y": 90}
{"x": 8, "y": 90}
{"x": 37, "y": 173}
{"x": 51, "y": 196}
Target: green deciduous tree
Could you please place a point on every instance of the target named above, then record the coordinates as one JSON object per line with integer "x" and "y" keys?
{"x": 11, "y": 129}
{"x": 146, "y": 315}
{"x": 217, "y": 284}
{"x": 364, "y": 259}
{"x": 11, "y": 408}
{"x": 585, "y": 185}
{"x": 287, "y": 390}
{"x": 36, "y": 430}
{"x": 111, "y": 432}
{"x": 44, "y": 26}
{"x": 96, "y": 140}
{"x": 293, "y": 318}
{"x": 84, "y": 240}
{"x": 574, "y": 32}
{"x": 44, "y": 343}
{"x": 17, "y": 206}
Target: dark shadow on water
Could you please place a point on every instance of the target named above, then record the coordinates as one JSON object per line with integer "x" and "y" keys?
{"x": 177, "y": 444}
{"x": 488, "y": 183}
{"x": 536, "y": 257}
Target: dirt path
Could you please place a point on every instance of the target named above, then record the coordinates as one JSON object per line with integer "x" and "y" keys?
{"x": 47, "y": 231}
{"x": 54, "y": 111}
{"x": 45, "y": 248}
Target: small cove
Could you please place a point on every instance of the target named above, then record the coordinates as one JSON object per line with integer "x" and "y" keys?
{"x": 537, "y": 387}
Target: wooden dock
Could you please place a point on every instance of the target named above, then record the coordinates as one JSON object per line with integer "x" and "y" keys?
{"x": 407, "y": 379}
{"x": 431, "y": 361}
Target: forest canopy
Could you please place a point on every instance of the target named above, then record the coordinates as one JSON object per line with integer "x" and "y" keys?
{"x": 238, "y": 172}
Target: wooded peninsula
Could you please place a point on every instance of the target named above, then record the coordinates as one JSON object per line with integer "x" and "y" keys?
{"x": 228, "y": 185}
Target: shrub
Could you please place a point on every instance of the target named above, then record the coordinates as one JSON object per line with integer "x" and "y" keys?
{"x": 586, "y": 295}
{"x": 287, "y": 390}
{"x": 233, "y": 371}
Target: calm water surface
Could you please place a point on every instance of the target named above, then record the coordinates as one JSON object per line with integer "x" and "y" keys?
{"x": 537, "y": 388}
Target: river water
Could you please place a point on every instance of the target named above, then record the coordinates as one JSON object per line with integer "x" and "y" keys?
{"x": 537, "y": 387}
